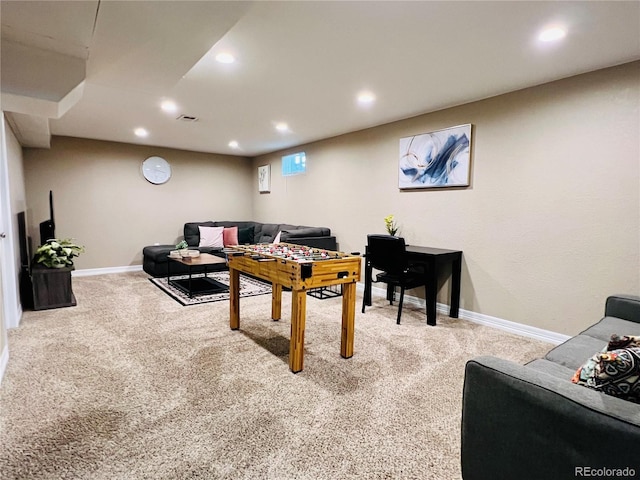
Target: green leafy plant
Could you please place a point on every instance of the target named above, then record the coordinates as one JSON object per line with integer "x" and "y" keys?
{"x": 56, "y": 253}
{"x": 182, "y": 245}
{"x": 391, "y": 225}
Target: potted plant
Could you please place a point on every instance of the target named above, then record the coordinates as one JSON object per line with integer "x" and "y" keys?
{"x": 58, "y": 253}
{"x": 182, "y": 248}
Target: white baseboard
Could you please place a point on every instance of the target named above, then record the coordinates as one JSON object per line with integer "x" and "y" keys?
{"x": 499, "y": 323}
{"x": 87, "y": 272}
{"x": 513, "y": 327}
{"x": 4, "y": 361}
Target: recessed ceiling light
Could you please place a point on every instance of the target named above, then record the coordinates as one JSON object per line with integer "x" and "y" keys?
{"x": 552, "y": 34}
{"x": 225, "y": 58}
{"x": 233, "y": 144}
{"x": 141, "y": 132}
{"x": 366, "y": 98}
{"x": 169, "y": 106}
{"x": 282, "y": 127}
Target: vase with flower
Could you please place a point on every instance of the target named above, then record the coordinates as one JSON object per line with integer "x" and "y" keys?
{"x": 391, "y": 225}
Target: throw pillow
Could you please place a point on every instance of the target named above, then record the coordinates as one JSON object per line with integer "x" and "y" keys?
{"x": 245, "y": 236}
{"x": 304, "y": 232}
{"x": 623, "y": 342}
{"x": 615, "y": 372}
{"x": 230, "y": 236}
{"x": 277, "y": 239}
{"x": 211, "y": 237}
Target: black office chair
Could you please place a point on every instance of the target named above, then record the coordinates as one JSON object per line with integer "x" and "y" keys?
{"x": 388, "y": 254}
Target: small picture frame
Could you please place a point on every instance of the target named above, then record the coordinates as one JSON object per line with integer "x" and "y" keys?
{"x": 264, "y": 179}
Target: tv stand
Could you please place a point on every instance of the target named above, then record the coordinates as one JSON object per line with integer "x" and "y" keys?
{"x": 52, "y": 287}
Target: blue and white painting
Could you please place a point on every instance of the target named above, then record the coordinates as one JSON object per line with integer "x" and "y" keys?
{"x": 436, "y": 159}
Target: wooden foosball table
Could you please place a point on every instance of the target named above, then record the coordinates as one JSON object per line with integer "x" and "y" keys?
{"x": 300, "y": 269}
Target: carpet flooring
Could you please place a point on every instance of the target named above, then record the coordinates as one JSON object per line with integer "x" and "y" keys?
{"x": 248, "y": 288}
{"x": 129, "y": 384}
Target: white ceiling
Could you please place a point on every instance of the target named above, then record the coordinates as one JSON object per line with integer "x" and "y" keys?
{"x": 297, "y": 62}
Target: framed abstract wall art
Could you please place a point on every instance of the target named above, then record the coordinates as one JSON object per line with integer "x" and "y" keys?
{"x": 436, "y": 159}
{"x": 264, "y": 179}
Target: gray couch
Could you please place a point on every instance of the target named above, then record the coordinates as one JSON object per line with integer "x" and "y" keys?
{"x": 531, "y": 422}
{"x": 154, "y": 257}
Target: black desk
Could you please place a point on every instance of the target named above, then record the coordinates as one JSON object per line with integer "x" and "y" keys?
{"x": 433, "y": 259}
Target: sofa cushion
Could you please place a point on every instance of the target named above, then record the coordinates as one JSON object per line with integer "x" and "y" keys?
{"x": 212, "y": 250}
{"x": 230, "y": 236}
{"x": 211, "y": 236}
{"x": 238, "y": 223}
{"x": 575, "y": 351}
{"x": 304, "y": 232}
{"x": 614, "y": 372}
{"x": 610, "y": 325}
{"x": 157, "y": 253}
{"x": 325, "y": 243}
{"x": 265, "y": 232}
{"x": 555, "y": 369}
{"x": 192, "y": 232}
{"x": 245, "y": 235}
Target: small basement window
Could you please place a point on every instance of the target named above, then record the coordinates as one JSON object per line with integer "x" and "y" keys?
{"x": 294, "y": 164}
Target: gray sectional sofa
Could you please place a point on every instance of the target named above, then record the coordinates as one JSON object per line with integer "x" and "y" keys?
{"x": 530, "y": 422}
{"x": 155, "y": 256}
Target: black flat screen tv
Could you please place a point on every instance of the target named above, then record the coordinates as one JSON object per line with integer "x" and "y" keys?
{"x": 48, "y": 227}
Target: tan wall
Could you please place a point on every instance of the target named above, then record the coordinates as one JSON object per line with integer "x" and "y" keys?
{"x": 551, "y": 222}
{"x": 102, "y": 200}
{"x": 549, "y": 226}
{"x": 17, "y": 191}
{"x": 17, "y": 204}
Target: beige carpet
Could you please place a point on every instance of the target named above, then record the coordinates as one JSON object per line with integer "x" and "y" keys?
{"x": 131, "y": 385}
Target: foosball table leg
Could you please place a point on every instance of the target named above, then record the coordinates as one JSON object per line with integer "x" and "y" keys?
{"x": 348, "y": 319}
{"x": 276, "y": 301}
{"x": 298, "y": 318}
{"x": 234, "y": 299}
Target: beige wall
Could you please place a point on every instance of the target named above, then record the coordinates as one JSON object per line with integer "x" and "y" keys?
{"x": 102, "y": 200}
{"x": 17, "y": 191}
{"x": 551, "y": 222}
{"x": 549, "y": 226}
{"x": 16, "y": 198}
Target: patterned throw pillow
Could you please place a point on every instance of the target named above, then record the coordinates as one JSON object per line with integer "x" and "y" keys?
{"x": 623, "y": 342}
{"x": 615, "y": 371}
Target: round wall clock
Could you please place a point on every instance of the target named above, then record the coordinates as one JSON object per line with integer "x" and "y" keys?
{"x": 156, "y": 170}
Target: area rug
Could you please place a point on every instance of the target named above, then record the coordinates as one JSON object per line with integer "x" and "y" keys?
{"x": 248, "y": 288}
